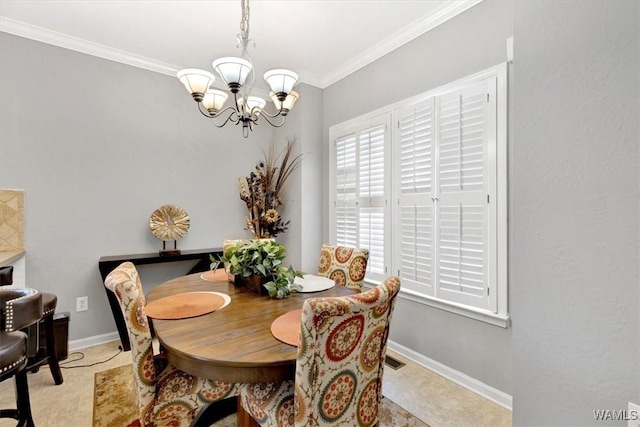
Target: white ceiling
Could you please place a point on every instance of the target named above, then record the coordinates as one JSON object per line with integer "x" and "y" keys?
{"x": 322, "y": 40}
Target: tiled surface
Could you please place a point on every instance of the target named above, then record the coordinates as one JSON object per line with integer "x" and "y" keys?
{"x": 70, "y": 403}
{"x": 438, "y": 401}
{"x": 430, "y": 397}
{"x": 11, "y": 220}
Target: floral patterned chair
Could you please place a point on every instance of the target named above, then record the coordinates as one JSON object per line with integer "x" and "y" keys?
{"x": 347, "y": 266}
{"x": 340, "y": 361}
{"x": 165, "y": 395}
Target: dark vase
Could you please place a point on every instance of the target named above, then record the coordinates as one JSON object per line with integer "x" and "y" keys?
{"x": 253, "y": 283}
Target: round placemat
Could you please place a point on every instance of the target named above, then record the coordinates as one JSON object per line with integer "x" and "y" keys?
{"x": 313, "y": 283}
{"x": 181, "y": 306}
{"x": 286, "y": 328}
{"x": 219, "y": 275}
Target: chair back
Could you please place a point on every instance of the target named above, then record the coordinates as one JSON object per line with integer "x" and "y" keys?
{"x": 341, "y": 357}
{"x": 125, "y": 283}
{"x": 6, "y": 275}
{"x": 19, "y": 308}
{"x": 346, "y": 266}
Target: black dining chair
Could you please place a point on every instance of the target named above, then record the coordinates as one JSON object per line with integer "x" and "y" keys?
{"x": 38, "y": 351}
{"x": 19, "y": 308}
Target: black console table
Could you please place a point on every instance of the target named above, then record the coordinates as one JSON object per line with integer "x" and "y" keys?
{"x": 107, "y": 263}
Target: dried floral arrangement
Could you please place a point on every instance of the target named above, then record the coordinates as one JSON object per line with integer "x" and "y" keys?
{"x": 262, "y": 189}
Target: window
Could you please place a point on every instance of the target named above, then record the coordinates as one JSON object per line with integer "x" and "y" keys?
{"x": 360, "y": 190}
{"x": 422, "y": 184}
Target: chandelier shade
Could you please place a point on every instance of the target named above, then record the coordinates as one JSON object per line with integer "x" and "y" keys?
{"x": 255, "y": 104}
{"x": 235, "y": 71}
{"x": 287, "y": 105}
{"x": 281, "y": 81}
{"x": 214, "y": 100}
{"x": 196, "y": 81}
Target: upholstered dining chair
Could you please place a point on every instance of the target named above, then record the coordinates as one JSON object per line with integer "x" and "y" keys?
{"x": 346, "y": 266}
{"x": 20, "y": 308}
{"x": 166, "y": 395}
{"x": 339, "y": 365}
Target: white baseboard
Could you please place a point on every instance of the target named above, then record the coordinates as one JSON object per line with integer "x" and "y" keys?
{"x": 501, "y": 398}
{"x": 93, "y": 341}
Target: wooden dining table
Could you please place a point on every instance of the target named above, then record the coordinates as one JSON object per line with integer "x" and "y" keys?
{"x": 233, "y": 343}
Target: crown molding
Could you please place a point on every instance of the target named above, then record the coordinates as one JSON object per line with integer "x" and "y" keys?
{"x": 309, "y": 78}
{"x": 22, "y": 29}
{"x": 412, "y": 31}
{"x": 405, "y": 35}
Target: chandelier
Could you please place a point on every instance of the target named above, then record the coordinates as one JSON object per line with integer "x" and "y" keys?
{"x": 235, "y": 72}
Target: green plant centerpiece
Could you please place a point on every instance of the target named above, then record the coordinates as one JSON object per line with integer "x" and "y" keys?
{"x": 257, "y": 264}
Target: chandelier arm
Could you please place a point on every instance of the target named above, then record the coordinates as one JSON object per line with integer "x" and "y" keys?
{"x": 205, "y": 112}
{"x": 254, "y": 112}
{"x": 273, "y": 116}
{"x": 275, "y": 125}
{"x": 228, "y": 119}
{"x": 235, "y": 103}
{"x": 208, "y": 115}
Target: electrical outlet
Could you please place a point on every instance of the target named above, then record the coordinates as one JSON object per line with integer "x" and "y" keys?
{"x": 633, "y": 415}
{"x": 82, "y": 303}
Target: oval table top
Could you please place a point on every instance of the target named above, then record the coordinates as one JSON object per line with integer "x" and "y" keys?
{"x": 234, "y": 343}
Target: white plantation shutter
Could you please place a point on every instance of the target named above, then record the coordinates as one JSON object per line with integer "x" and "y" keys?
{"x": 346, "y": 224}
{"x": 372, "y": 238}
{"x": 346, "y": 214}
{"x": 442, "y": 166}
{"x": 359, "y": 192}
{"x": 465, "y": 134}
{"x": 414, "y": 153}
{"x": 372, "y": 163}
{"x": 462, "y": 251}
{"x": 371, "y": 149}
{"x": 462, "y": 141}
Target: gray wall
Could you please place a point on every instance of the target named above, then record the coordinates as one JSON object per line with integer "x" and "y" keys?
{"x": 89, "y": 140}
{"x": 98, "y": 146}
{"x": 574, "y": 225}
{"x": 469, "y": 43}
{"x": 303, "y": 204}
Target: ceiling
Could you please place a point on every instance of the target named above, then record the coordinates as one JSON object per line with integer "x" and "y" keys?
{"x": 322, "y": 40}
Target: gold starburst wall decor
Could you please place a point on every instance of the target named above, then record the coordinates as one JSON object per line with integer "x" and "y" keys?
{"x": 169, "y": 222}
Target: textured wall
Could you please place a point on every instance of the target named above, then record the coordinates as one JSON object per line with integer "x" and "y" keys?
{"x": 471, "y": 42}
{"x": 303, "y": 194}
{"x": 98, "y": 146}
{"x": 574, "y": 224}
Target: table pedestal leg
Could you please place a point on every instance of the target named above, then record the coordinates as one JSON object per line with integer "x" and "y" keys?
{"x": 244, "y": 419}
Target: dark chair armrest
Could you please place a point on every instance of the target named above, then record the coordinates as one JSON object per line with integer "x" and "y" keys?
{"x": 20, "y": 307}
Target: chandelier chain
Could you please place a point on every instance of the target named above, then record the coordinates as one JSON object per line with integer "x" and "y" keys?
{"x": 244, "y": 22}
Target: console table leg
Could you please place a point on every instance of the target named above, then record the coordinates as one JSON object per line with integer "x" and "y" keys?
{"x": 117, "y": 316}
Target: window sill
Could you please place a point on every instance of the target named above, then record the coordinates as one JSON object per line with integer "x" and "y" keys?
{"x": 476, "y": 314}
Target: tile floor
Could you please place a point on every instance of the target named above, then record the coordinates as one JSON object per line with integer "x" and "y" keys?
{"x": 440, "y": 403}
